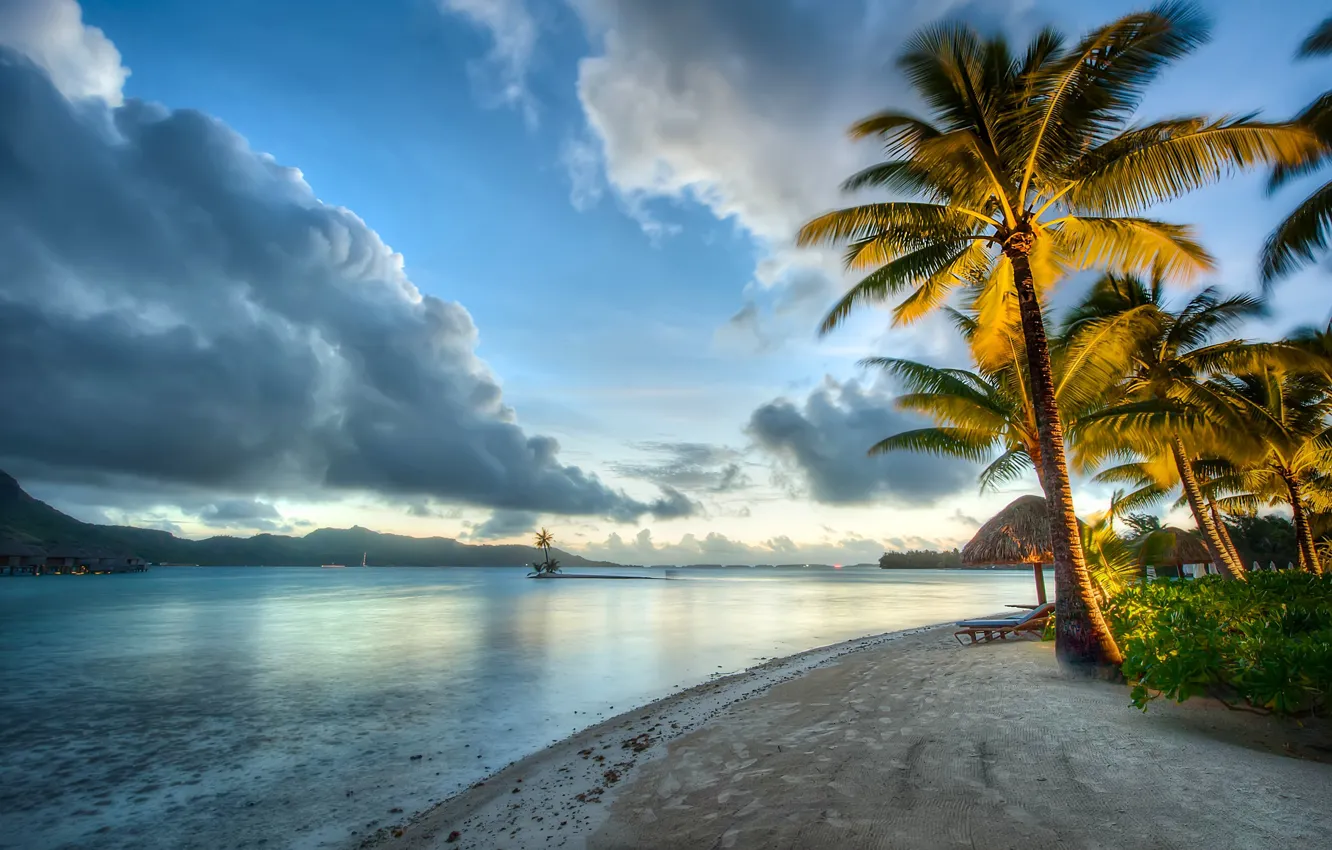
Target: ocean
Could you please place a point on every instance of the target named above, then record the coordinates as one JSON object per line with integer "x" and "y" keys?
{"x": 211, "y": 707}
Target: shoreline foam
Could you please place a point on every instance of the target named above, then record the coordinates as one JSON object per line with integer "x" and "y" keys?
{"x": 535, "y": 802}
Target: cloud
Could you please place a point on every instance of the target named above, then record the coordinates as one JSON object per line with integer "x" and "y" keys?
{"x": 502, "y": 76}
{"x": 742, "y": 107}
{"x": 243, "y": 513}
{"x": 81, "y": 61}
{"x": 714, "y": 548}
{"x": 502, "y": 524}
{"x": 582, "y": 161}
{"x": 689, "y": 466}
{"x": 965, "y": 519}
{"x": 185, "y": 311}
{"x": 822, "y": 444}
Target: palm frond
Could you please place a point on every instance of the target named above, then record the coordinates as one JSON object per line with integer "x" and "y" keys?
{"x": 905, "y": 272}
{"x": 1301, "y": 238}
{"x": 1319, "y": 42}
{"x": 1008, "y": 467}
{"x": 1089, "y": 92}
{"x": 1171, "y": 158}
{"x": 903, "y": 224}
{"x": 1131, "y": 246}
{"x": 944, "y": 442}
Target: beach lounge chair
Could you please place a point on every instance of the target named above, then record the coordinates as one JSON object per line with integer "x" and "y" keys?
{"x": 1032, "y": 622}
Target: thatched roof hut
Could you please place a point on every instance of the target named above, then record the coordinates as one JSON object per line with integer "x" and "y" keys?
{"x": 1019, "y": 534}
{"x": 1173, "y": 547}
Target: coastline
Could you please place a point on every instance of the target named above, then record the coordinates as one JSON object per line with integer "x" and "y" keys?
{"x": 903, "y": 739}
{"x": 534, "y": 802}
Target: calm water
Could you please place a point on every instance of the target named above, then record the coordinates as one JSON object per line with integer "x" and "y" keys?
{"x": 281, "y": 707}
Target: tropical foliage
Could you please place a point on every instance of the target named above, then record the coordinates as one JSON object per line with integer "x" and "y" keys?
{"x": 1267, "y": 641}
{"x": 1027, "y": 169}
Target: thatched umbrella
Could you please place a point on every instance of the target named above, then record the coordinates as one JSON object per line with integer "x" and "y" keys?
{"x": 1019, "y": 534}
{"x": 1173, "y": 547}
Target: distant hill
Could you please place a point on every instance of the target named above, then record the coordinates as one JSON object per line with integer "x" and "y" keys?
{"x": 32, "y": 522}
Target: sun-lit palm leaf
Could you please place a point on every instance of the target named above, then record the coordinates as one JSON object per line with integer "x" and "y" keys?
{"x": 915, "y": 268}
{"x": 1168, "y": 159}
{"x": 1131, "y": 246}
{"x": 904, "y": 223}
{"x": 1099, "y": 83}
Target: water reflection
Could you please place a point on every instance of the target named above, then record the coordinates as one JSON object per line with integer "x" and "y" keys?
{"x": 170, "y": 705}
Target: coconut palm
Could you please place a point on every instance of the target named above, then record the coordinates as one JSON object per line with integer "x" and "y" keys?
{"x": 1026, "y": 170}
{"x": 1284, "y": 447}
{"x": 1304, "y": 235}
{"x": 544, "y": 539}
{"x": 1171, "y": 354}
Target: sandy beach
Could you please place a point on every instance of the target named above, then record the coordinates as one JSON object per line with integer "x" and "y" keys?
{"x": 904, "y": 740}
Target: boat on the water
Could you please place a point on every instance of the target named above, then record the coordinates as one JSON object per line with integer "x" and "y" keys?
{"x": 332, "y": 566}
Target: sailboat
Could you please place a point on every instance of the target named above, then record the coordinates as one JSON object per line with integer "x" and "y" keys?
{"x": 363, "y": 554}
{"x": 332, "y": 566}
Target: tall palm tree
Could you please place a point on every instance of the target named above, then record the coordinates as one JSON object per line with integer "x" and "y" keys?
{"x": 544, "y": 539}
{"x": 1285, "y": 417}
{"x": 1027, "y": 169}
{"x": 1304, "y": 235}
{"x": 1171, "y": 355}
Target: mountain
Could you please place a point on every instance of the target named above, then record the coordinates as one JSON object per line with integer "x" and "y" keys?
{"x": 32, "y": 522}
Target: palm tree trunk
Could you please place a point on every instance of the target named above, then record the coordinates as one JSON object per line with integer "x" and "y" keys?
{"x": 1216, "y": 549}
{"x": 1308, "y": 552}
{"x": 1229, "y": 542}
{"x": 1082, "y": 639}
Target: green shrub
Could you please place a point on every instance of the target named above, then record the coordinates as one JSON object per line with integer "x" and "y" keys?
{"x": 1267, "y": 641}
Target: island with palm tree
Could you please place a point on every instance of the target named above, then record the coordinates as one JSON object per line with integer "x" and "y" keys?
{"x": 549, "y": 568}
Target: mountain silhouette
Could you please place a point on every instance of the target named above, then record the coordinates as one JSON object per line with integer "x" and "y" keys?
{"x": 31, "y": 522}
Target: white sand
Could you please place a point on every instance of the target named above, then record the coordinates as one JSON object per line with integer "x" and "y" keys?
{"x": 906, "y": 740}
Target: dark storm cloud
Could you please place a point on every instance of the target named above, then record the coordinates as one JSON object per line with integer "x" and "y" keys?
{"x": 502, "y": 524}
{"x": 825, "y": 440}
{"x": 689, "y": 466}
{"x": 178, "y": 308}
{"x": 243, "y": 513}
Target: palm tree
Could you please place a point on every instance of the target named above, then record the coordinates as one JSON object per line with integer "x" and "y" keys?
{"x": 1284, "y": 447}
{"x": 544, "y": 539}
{"x": 1171, "y": 354}
{"x": 1304, "y": 234}
{"x": 1027, "y": 170}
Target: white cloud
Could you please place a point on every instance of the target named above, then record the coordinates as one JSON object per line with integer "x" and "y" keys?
{"x": 80, "y": 59}
{"x": 581, "y": 157}
{"x": 714, "y": 548}
{"x": 692, "y": 101}
{"x": 502, "y": 76}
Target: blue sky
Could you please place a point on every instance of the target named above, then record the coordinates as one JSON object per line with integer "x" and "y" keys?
{"x": 608, "y": 188}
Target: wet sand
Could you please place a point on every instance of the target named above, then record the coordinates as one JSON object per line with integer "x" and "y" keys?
{"x": 905, "y": 741}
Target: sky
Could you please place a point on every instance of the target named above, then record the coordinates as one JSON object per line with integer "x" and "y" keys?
{"x": 469, "y": 267}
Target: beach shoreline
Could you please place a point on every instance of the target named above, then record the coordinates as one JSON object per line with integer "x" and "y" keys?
{"x": 903, "y": 739}
{"x": 536, "y": 798}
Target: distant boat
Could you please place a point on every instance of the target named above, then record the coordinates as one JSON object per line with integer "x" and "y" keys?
{"x": 363, "y": 554}
{"x": 332, "y": 566}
